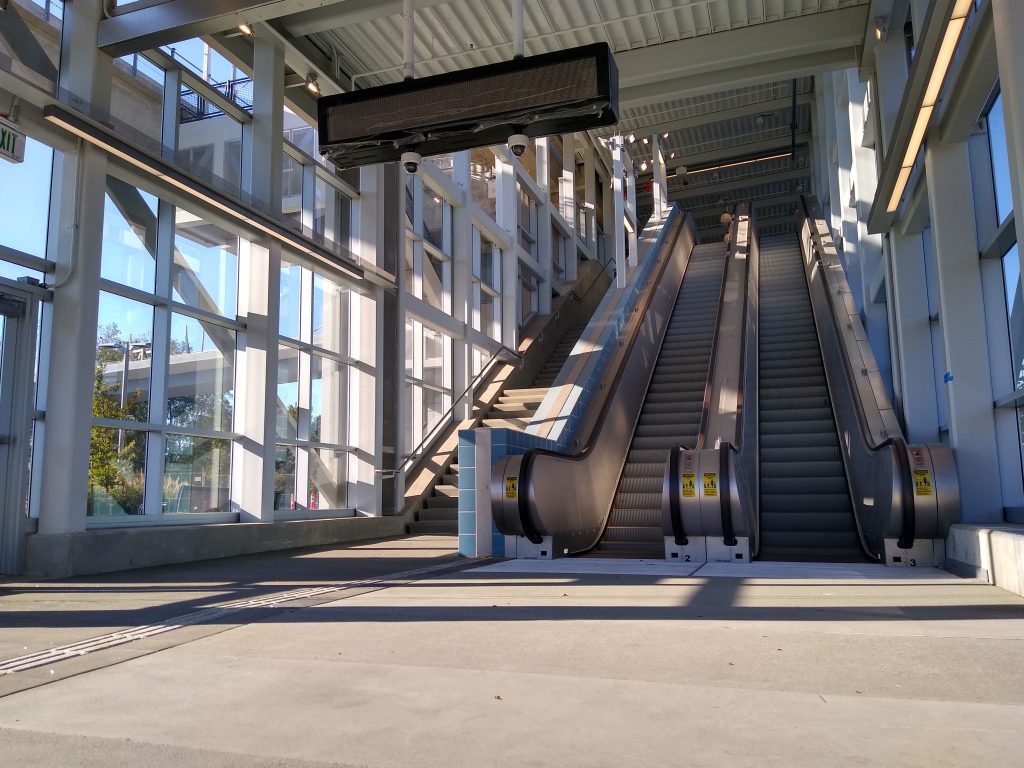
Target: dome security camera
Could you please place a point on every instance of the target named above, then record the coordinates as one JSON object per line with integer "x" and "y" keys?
{"x": 517, "y": 142}
{"x": 411, "y": 161}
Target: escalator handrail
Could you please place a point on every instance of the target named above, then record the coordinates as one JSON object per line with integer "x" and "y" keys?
{"x": 526, "y": 465}
{"x": 674, "y": 504}
{"x": 896, "y": 442}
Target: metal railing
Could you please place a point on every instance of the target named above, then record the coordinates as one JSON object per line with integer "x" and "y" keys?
{"x": 448, "y": 416}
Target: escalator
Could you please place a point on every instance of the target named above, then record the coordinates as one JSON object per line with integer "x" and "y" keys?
{"x": 805, "y": 505}
{"x": 671, "y": 412}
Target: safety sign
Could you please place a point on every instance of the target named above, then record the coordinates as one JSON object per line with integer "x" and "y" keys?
{"x": 689, "y": 484}
{"x": 710, "y": 483}
{"x": 922, "y": 482}
{"x": 511, "y": 487}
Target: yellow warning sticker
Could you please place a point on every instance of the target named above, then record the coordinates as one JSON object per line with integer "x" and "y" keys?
{"x": 710, "y": 483}
{"x": 689, "y": 484}
{"x": 922, "y": 482}
{"x": 511, "y": 487}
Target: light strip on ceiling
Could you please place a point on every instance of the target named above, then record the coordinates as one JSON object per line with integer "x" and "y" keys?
{"x": 736, "y": 164}
{"x": 95, "y": 138}
{"x": 943, "y": 59}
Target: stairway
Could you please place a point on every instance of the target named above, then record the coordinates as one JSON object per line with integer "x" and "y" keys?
{"x": 805, "y": 504}
{"x": 513, "y": 410}
{"x": 671, "y": 411}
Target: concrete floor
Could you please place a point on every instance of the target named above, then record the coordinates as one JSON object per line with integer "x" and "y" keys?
{"x": 463, "y": 664}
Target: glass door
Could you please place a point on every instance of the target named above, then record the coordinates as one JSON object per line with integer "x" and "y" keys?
{"x": 18, "y": 318}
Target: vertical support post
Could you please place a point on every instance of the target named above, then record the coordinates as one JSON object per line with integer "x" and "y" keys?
{"x": 85, "y": 73}
{"x": 252, "y": 465}
{"x": 590, "y": 196}
{"x": 618, "y": 223}
{"x": 659, "y": 181}
{"x": 462, "y": 270}
{"x": 409, "y": 37}
{"x": 567, "y": 202}
{"x": 971, "y": 421}
{"x": 265, "y": 148}
{"x": 507, "y": 201}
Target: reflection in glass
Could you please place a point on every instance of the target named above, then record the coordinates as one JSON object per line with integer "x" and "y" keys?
{"x": 200, "y": 386}
{"x": 331, "y": 304}
{"x": 25, "y": 198}
{"x": 284, "y": 476}
{"x": 328, "y": 479}
{"x": 209, "y": 140}
{"x": 435, "y": 211}
{"x": 129, "y": 236}
{"x": 328, "y": 401}
{"x": 197, "y": 475}
{"x": 434, "y": 282}
{"x": 117, "y": 460}
{"x": 123, "y": 359}
{"x": 287, "y": 392}
{"x": 205, "y": 269}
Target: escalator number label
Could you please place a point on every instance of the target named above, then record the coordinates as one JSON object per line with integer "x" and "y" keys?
{"x": 512, "y": 487}
{"x": 922, "y": 482}
{"x": 710, "y": 483}
{"x": 689, "y": 485}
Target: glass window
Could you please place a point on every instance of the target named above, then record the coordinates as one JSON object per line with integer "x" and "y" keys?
{"x": 434, "y": 283}
{"x": 489, "y": 264}
{"x": 409, "y": 274}
{"x": 527, "y": 222}
{"x": 291, "y": 190}
{"x": 25, "y": 197}
{"x": 30, "y": 43}
{"x": 137, "y": 100}
{"x": 291, "y": 300}
{"x": 436, "y": 221}
{"x": 284, "y": 476}
{"x": 331, "y": 306}
{"x": 328, "y": 401}
{"x": 332, "y": 214}
{"x": 117, "y": 480}
{"x": 205, "y": 269}
{"x": 197, "y": 475}
{"x": 428, "y": 394}
{"x": 209, "y": 141}
{"x": 287, "y": 392}
{"x": 483, "y": 188}
{"x": 1000, "y": 160}
{"x": 129, "y": 236}
{"x": 123, "y": 359}
{"x": 200, "y": 392}
{"x": 328, "y": 478}
{"x": 1015, "y": 313}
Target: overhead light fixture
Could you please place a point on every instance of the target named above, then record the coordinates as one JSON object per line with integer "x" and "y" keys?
{"x": 671, "y": 155}
{"x": 739, "y": 163}
{"x": 643, "y": 166}
{"x": 881, "y": 28}
{"x": 246, "y": 29}
{"x": 931, "y": 96}
{"x": 312, "y": 85}
{"x": 646, "y": 140}
{"x": 664, "y": 135}
{"x": 632, "y": 138}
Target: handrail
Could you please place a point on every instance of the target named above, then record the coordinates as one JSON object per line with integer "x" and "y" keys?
{"x": 897, "y": 442}
{"x": 639, "y": 312}
{"x": 416, "y": 454}
{"x": 674, "y": 504}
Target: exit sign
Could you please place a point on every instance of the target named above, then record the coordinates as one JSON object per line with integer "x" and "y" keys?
{"x": 12, "y": 142}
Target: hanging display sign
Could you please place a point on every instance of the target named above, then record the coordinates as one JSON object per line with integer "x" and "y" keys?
{"x": 12, "y": 142}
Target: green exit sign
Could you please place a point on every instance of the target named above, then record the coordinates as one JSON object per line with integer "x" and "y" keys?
{"x": 12, "y": 142}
